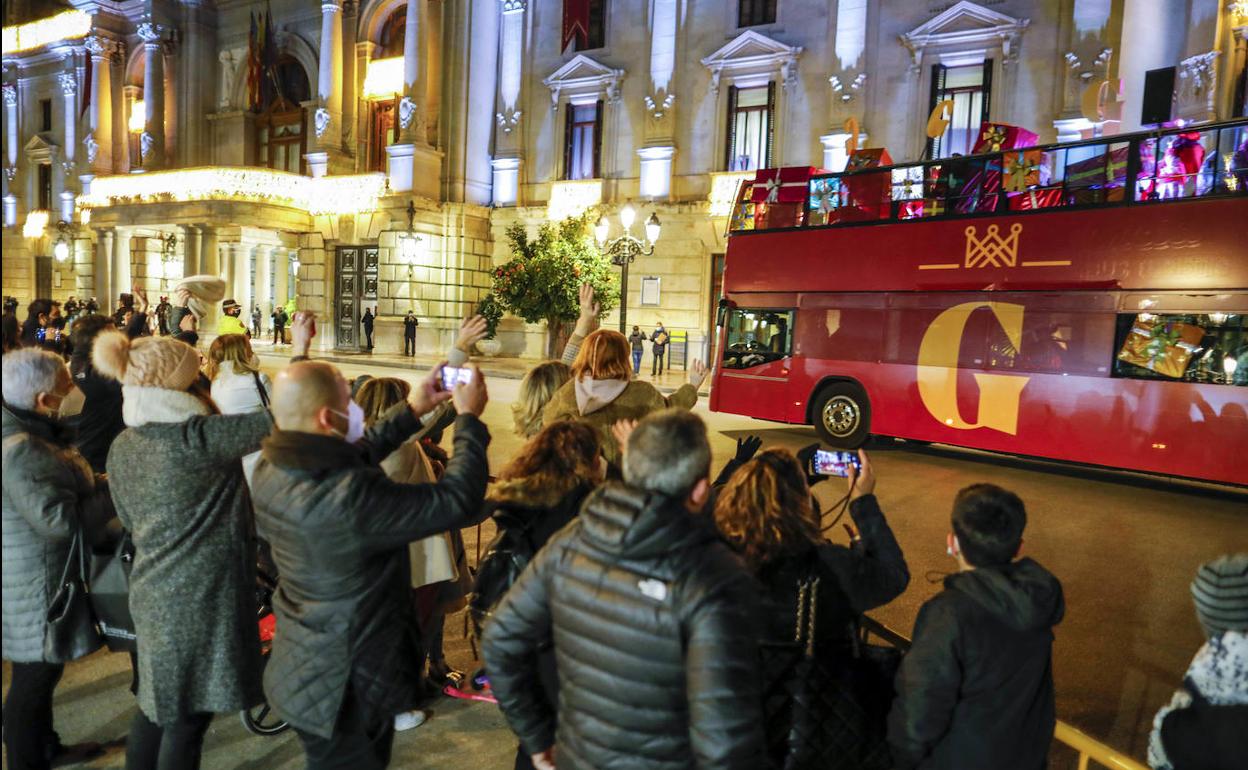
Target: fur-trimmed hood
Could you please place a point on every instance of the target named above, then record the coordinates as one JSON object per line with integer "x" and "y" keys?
{"x": 142, "y": 405}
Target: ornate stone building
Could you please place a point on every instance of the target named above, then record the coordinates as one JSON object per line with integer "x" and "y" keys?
{"x": 371, "y": 153}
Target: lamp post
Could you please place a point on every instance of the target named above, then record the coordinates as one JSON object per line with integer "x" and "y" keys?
{"x": 64, "y": 234}
{"x": 411, "y": 249}
{"x": 626, "y": 248}
{"x": 168, "y": 257}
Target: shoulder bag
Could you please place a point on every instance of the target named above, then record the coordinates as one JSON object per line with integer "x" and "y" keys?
{"x": 264, "y": 396}
{"x": 110, "y": 595}
{"x": 70, "y": 632}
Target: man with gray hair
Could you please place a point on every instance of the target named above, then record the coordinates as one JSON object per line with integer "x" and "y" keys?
{"x": 50, "y": 496}
{"x": 652, "y": 619}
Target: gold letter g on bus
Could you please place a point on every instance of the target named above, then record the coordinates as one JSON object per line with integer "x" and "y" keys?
{"x": 938, "y": 370}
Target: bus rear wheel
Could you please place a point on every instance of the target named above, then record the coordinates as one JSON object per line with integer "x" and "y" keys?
{"x": 842, "y": 415}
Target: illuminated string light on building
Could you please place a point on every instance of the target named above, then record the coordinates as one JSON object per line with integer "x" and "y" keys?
{"x": 326, "y": 195}
{"x": 571, "y": 199}
{"x": 36, "y": 223}
{"x": 384, "y": 78}
{"x": 138, "y": 116}
{"x": 724, "y": 192}
{"x": 36, "y": 34}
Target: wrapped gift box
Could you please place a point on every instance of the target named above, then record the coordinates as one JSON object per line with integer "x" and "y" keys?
{"x": 772, "y": 215}
{"x": 1165, "y": 348}
{"x": 994, "y": 137}
{"x": 868, "y": 157}
{"x": 1035, "y": 198}
{"x": 825, "y": 200}
{"x": 1022, "y": 169}
{"x": 869, "y": 196}
{"x": 783, "y": 185}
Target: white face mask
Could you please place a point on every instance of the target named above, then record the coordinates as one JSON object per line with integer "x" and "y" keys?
{"x": 355, "y": 423}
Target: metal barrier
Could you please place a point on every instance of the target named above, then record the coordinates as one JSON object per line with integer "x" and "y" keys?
{"x": 677, "y": 349}
{"x": 1088, "y": 748}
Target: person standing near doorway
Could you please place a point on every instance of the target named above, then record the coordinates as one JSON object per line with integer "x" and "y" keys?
{"x": 367, "y": 320}
{"x": 163, "y": 308}
{"x": 637, "y": 341}
{"x": 255, "y": 321}
{"x": 279, "y": 325}
{"x": 659, "y": 338}
{"x": 410, "y": 322}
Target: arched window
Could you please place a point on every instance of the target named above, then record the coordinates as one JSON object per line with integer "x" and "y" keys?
{"x": 392, "y": 35}
{"x": 281, "y": 140}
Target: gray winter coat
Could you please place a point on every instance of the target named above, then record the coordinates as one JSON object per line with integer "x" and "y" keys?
{"x": 49, "y": 491}
{"x": 179, "y": 489}
{"x": 339, "y": 529}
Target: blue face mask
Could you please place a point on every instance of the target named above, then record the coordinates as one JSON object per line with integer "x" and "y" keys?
{"x": 355, "y": 423}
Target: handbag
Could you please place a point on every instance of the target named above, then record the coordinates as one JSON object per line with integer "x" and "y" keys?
{"x": 70, "y": 632}
{"x": 264, "y": 396}
{"x": 814, "y": 711}
{"x": 110, "y": 595}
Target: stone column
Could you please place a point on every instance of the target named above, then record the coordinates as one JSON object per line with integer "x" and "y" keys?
{"x": 660, "y": 144}
{"x": 99, "y": 139}
{"x": 328, "y": 120}
{"x": 152, "y": 142}
{"x": 411, "y": 106}
{"x": 509, "y": 156}
{"x": 281, "y": 276}
{"x": 1152, "y": 36}
{"x": 103, "y": 270}
{"x": 264, "y": 283}
{"x": 69, "y": 89}
{"x": 190, "y": 237}
{"x": 11, "y": 147}
{"x": 121, "y": 280}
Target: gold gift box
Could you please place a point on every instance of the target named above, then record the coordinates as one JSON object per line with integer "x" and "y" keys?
{"x": 1164, "y": 348}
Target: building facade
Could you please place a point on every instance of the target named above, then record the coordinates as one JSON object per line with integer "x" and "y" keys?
{"x": 372, "y": 154}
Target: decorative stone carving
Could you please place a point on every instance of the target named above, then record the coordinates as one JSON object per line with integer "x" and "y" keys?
{"x": 92, "y": 146}
{"x": 68, "y": 82}
{"x": 150, "y": 34}
{"x": 513, "y": 6}
{"x": 751, "y": 53}
{"x": 321, "y": 120}
{"x": 847, "y": 90}
{"x": 10, "y": 173}
{"x": 10, "y": 94}
{"x": 407, "y": 111}
{"x": 103, "y": 47}
{"x": 583, "y": 76}
{"x": 508, "y": 119}
{"x": 965, "y": 25}
{"x": 659, "y": 103}
{"x": 1197, "y": 86}
{"x": 229, "y": 74}
{"x": 146, "y": 141}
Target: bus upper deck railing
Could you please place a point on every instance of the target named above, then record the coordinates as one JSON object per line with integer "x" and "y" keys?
{"x": 1088, "y": 748}
{"x": 1194, "y": 161}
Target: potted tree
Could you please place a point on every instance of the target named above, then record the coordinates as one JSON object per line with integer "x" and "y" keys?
{"x": 492, "y": 312}
{"x": 542, "y": 279}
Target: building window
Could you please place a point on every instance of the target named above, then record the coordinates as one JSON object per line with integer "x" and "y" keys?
{"x": 45, "y": 112}
{"x": 752, "y": 13}
{"x": 393, "y": 33}
{"x": 382, "y": 133}
{"x": 970, "y": 88}
{"x": 45, "y": 186}
{"x": 280, "y": 137}
{"x": 751, "y": 126}
{"x": 597, "y": 35}
{"x": 584, "y": 136}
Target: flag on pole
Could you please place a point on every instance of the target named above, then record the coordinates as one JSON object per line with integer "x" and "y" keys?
{"x": 268, "y": 61}
{"x": 253, "y": 66}
{"x": 86, "y": 86}
{"x": 575, "y": 22}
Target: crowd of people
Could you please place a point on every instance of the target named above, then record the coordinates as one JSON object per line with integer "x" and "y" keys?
{"x": 636, "y": 610}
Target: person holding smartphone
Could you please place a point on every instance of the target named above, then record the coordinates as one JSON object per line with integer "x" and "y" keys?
{"x": 767, "y": 512}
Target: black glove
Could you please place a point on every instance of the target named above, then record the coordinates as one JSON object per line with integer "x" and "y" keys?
{"x": 806, "y": 456}
{"x": 746, "y": 448}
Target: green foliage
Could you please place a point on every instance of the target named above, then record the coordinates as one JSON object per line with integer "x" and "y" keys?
{"x": 542, "y": 279}
{"x": 492, "y": 312}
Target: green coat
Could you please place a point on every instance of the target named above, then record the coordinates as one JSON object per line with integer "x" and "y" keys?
{"x": 638, "y": 400}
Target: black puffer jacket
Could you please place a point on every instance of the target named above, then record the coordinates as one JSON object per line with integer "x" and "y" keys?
{"x": 653, "y": 623}
{"x": 339, "y": 531}
{"x": 975, "y": 692}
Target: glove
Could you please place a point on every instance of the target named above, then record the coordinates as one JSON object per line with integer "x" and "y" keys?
{"x": 746, "y": 448}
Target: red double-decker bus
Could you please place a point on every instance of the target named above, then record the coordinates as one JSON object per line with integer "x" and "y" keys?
{"x": 1089, "y": 307}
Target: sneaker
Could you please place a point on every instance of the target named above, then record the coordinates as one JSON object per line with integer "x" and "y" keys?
{"x": 409, "y": 720}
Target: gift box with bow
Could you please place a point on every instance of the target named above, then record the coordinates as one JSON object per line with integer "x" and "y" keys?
{"x": 994, "y": 137}
{"x": 825, "y": 200}
{"x": 1164, "y": 348}
{"x": 1022, "y": 169}
{"x": 783, "y": 185}
{"x": 868, "y": 157}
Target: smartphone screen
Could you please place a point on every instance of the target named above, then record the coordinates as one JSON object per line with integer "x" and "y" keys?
{"x": 833, "y": 463}
{"x": 452, "y": 376}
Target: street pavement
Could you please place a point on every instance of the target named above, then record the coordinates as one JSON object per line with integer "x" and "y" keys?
{"x": 1125, "y": 547}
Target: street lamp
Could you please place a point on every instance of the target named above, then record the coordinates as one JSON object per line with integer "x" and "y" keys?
{"x": 64, "y": 234}
{"x": 624, "y": 249}
{"x": 411, "y": 249}
{"x": 168, "y": 256}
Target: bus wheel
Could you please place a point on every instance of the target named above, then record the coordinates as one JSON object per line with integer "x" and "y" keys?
{"x": 843, "y": 415}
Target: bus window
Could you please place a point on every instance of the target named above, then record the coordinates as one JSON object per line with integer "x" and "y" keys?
{"x": 1054, "y": 343}
{"x": 756, "y": 337}
{"x": 1183, "y": 347}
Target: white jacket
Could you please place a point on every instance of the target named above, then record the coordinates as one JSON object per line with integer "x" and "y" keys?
{"x": 235, "y": 393}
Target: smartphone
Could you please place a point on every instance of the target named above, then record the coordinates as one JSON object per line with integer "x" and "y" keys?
{"x": 833, "y": 463}
{"x": 452, "y": 376}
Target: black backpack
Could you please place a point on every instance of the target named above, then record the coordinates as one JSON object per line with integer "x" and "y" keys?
{"x": 508, "y": 554}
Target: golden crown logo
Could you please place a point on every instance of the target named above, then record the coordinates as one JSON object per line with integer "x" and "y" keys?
{"x": 992, "y": 250}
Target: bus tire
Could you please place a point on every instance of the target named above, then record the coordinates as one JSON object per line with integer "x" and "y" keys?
{"x": 842, "y": 415}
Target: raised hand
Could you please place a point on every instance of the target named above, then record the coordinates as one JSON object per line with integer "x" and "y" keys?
{"x": 302, "y": 330}
{"x": 697, "y": 374}
{"x": 861, "y": 483}
{"x": 471, "y": 331}
{"x": 470, "y": 397}
{"x": 428, "y": 393}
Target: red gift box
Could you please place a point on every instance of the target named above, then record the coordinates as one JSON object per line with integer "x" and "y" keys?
{"x": 783, "y": 185}
{"x": 772, "y": 215}
{"x": 994, "y": 137}
{"x": 1035, "y": 198}
{"x": 868, "y": 157}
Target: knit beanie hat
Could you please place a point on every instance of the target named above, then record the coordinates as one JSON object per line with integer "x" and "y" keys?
{"x": 205, "y": 291}
{"x": 1220, "y": 592}
{"x": 154, "y": 362}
